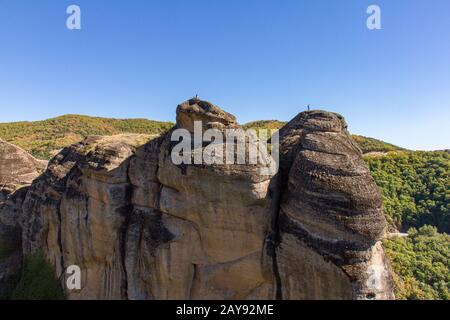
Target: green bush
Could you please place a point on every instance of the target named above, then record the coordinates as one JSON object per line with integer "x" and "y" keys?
{"x": 37, "y": 281}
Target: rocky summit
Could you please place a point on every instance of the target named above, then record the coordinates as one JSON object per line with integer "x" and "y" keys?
{"x": 205, "y": 112}
{"x": 140, "y": 227}
{"x": 330, "y": 219}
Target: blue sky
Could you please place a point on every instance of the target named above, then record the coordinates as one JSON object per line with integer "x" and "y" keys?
{"x": 257, "y": 59}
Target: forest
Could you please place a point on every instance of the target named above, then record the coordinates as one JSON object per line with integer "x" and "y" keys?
{"x": 416, "y": 193}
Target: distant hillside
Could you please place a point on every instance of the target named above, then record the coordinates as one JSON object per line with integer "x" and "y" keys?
{"x": 264, "y": 124}
{"x": 367, "y": 145}
{"x": 416, "y": 193}
{"x": 416, "y": 188}
{"x": 421, "y": 264}
{"x": 44, "y": 139}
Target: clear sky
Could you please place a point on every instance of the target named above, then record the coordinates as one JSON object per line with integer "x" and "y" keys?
{"x": 257, "y": 59}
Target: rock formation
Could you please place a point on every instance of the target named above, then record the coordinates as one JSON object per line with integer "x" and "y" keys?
{"x": 141, "y": 227}
{"x": 210, "y": 115}
{"x": 330, "y": 217}
{"x": 17, "y": 168}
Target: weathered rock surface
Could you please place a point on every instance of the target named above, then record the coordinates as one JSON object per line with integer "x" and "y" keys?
{"x": 78, "y": 212}
{"x": 17, "y": 168}
{"x": 140, "y": 227}
{"x": 331, "y": 218}
{"x": 210, "y": 115}
{"x": 10, "y": 258}
{"x": 210, "y": 224}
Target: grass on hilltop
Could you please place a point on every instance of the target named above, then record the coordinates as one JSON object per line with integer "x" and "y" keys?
{"x": 369, "y": 145}
{"x": 43, "y": 139}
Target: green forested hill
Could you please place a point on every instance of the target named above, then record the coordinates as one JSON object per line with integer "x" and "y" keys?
{"x": 416, "y": 193}
{"x": 369, "y": 145}
{"x": 421, "y": 264}
{"x": 265, "y": 124}
{"x": 45, "y": 138}
{"x": 416, "y": 188}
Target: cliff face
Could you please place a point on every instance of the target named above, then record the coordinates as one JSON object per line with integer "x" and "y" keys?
{"x": 140, "y": 227}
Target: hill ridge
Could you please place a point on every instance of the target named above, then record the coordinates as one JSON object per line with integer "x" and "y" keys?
{"x": 44, "y": 138}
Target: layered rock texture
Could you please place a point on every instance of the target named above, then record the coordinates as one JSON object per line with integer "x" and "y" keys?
{"x": 141, "y": 227}
{"x": 330, "y": 219}
{"x": 17, "y": 168}
{"x": 208, "y": 114}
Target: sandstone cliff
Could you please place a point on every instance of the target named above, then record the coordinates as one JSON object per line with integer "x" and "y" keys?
{"x": 140, "y": 227}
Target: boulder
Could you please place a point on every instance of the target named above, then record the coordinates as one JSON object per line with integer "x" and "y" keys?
{"x": 210, "y": 115}
{"x": 17, "y": 168}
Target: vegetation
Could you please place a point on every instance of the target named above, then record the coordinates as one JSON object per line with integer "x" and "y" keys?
{"x": 37, "y": 281}
{"x": 416, "y": 188}
{"x": 369, "y": 145}
{"x": 416, "y": 193}
{"x": 421, "y": 263}
{"x": 264, "y": 124}
{"x": 44, "y": 139}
